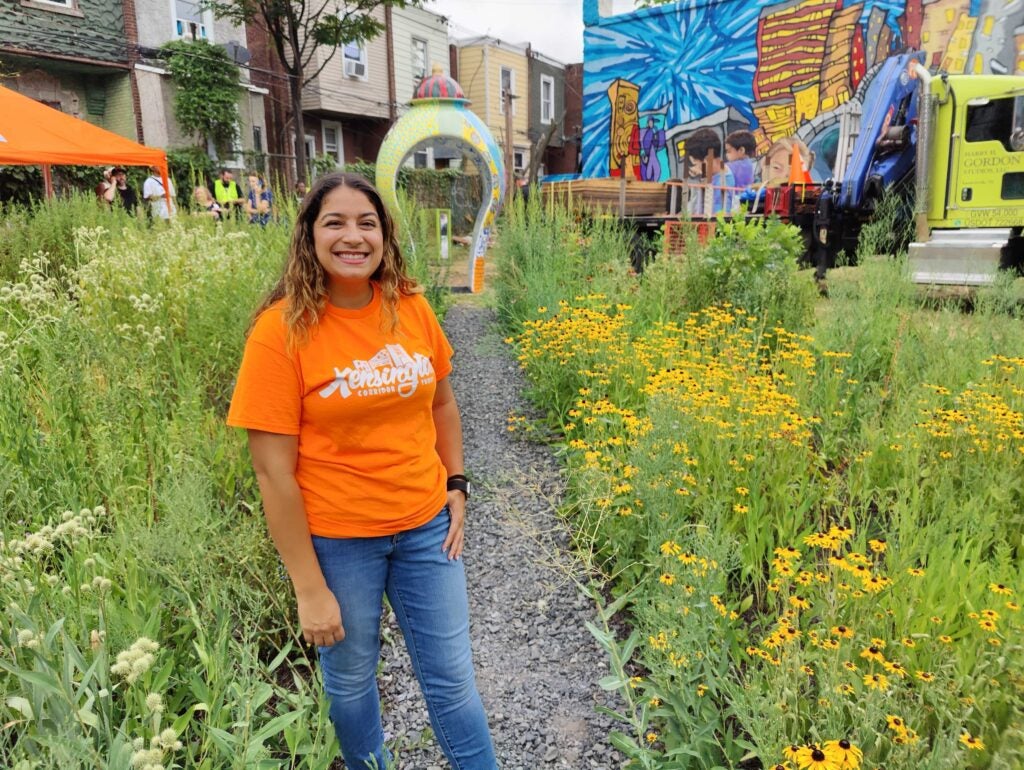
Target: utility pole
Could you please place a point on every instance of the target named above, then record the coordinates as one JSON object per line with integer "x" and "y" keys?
{"x": 510, "y": 176}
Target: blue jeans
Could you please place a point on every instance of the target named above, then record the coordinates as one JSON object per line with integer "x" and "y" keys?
{"x": 428, "y": 595}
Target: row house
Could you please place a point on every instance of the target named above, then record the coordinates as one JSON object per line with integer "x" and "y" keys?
{"x": 488, "y": 69}
{"x": 73, "y": 55}
{"x": 161, "y": 21}
{"x": 544, "y": 103}
{"x": 556, "y": 106}
{"x": 363, "y": 89}
{"x": 99, "y": 60}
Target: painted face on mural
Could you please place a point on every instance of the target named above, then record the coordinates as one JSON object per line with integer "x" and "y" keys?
{"x": 777, "y": 168}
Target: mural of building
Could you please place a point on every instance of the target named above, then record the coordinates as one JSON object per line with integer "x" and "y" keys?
{"x": 777, "y": 67}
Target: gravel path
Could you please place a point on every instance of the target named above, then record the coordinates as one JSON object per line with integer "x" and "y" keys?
{"x": 537, "y": 665}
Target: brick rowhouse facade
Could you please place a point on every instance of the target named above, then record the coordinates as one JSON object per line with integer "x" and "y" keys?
{"x": 266, "y": 71}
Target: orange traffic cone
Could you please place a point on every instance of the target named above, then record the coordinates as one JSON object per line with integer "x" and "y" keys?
{"x": 797, "y": 173}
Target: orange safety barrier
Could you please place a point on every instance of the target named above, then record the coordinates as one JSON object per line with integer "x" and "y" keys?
{"x": 676, "y": 233}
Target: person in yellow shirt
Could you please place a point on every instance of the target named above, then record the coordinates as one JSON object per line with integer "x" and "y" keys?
{"x": 227, "y": 193}
{"x": 356, "y": 441}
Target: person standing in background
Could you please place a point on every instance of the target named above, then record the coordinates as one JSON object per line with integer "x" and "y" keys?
{"x": 154, "y": 193}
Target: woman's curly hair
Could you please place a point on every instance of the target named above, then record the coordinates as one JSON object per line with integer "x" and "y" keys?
{"x": 304, "y": 284}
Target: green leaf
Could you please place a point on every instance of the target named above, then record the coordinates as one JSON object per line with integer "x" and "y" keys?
{"x": 611, "y": 682}
{"x": 279, "y": 658}
{"x": 86, "y": 715}
{"x": 21, "y": 705}
{"x": 275, "y": 725}
{"x": 624, "y": 743}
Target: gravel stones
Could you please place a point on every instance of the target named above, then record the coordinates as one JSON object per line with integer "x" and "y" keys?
{"x": 537, "y": 665}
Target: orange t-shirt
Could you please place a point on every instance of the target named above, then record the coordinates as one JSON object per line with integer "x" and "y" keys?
{"x": 360, "y": 400}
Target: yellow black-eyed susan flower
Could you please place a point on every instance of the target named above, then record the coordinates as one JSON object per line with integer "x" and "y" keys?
{"x": 895, "y": 723}
{"x": 845, "y": 753}
{"x": 915, "y": 572}
{"x": 791, "y": 752}
{"x": 842, "y": 631}
{"x": 895, "y": 668}
{"x": 814, "y": 758}
{"x": 972, "y": 742}
{"x": 873, "y": 653}
{"x": 876, "y": 681}
{"x": 1001, "y": 589}
{"x": 925, "y": 676}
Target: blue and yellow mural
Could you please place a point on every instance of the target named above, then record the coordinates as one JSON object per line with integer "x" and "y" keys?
{"x": 654, "y": 76}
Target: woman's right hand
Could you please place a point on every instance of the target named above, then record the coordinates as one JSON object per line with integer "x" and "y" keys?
{"x": 320, "y": 617}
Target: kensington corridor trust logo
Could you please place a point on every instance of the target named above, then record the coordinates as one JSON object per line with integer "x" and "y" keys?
{"x": 391, "y": 370}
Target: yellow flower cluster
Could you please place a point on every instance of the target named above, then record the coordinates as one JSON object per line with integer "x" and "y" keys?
{"x": 985, "y": 419}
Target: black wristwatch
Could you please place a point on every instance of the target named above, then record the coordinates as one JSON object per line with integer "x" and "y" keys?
{"x": 459, "y": 482}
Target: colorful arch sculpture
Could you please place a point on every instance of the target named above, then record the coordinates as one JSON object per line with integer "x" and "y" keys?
{"x": 440, "y": 116}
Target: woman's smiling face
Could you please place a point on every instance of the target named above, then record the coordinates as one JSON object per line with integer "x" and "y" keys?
{"x": 349, "y": 241}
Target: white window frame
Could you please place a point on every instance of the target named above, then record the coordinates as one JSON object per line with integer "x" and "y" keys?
{"x": 547, "y": 106}
{"x": 426, "y": 57}
{"x": 205, "y": 31}
{"x": 339, "y": 158}
{"x": 519, "y": 155}
{"x": 60, "y": 5}
{"x": 345, "y": 58}
{"x": 310, "y": 148}
{"x": 512, "y": 87}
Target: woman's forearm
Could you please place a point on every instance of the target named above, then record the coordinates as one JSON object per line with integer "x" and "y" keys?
{"x": 449, "y": 436}
{"x": 286, "y": 520}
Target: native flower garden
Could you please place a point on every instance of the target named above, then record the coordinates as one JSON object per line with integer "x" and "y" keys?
{"x": 809, "y": 511}
{"x": 802, "y": 516}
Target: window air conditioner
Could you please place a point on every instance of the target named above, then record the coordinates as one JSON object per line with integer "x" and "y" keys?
{"x": 190, "y": 30}
{"x": 355, "y": 69}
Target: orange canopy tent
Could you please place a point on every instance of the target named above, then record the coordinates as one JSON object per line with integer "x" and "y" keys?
{"x": 33, "y": 134}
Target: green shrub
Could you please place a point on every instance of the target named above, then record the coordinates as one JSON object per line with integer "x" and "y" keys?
{"x": 750, "y": 264}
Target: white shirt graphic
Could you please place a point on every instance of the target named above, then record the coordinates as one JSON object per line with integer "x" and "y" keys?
{"x": 389, "y": 370}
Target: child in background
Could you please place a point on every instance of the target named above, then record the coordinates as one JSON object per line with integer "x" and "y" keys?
{"x": 740, "y": 149}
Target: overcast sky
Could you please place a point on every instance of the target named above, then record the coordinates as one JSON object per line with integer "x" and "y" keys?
{"x": 553, "y": 27}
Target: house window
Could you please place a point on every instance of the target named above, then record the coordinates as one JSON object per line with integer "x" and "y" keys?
{"x": 257, "y": 139}
{"x": 189, "y": 20}
{"x": 58, "y": 3}
{"x": 547, "y": 99}
{"x": 310, "y": 147}
{"x": 354, "y": 57}
{"x": 332, "y": 142}
{"x": 507, "y": 85}
{"x": 419, "y": 58}
{"x": 69, "y": 7}
{"x": 518, "y": 160}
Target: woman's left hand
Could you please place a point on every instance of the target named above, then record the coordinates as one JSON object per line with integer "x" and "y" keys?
{"x": 456, "y": 531}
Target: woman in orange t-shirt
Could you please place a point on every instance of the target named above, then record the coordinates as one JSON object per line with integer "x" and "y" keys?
{"x": 357, "y": 445}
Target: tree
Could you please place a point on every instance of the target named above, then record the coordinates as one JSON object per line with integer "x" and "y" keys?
{"x": 206, "y": 94}
{"x": 300, "y": 28}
